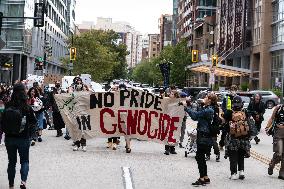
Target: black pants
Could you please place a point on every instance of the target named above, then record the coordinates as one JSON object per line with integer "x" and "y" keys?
{"x": 170, "y": 148}
{"x": 215, "y": 147}
{"x": 200, "y": 158}
{"x": 223, "y": 137}
{"x": 113, "y": 139}
{"x": 81, "y": 142}
{"x": 237, "y": 160}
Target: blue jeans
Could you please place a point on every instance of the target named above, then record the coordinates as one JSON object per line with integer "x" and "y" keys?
{"x": 23, "y": 147}
{"x": 40, "y": 118}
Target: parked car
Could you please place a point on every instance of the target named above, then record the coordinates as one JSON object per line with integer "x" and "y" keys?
{"x": 268, "y": 97}
{"x": 194, "y": 91}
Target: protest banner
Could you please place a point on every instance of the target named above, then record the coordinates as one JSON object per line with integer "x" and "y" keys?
{"x": 133, "y": 113}
{"x": 51, "y": 79}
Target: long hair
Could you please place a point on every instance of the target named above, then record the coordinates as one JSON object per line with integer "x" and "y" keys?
{"x": 36, "y": 92}
{"x": 19, "y": 97}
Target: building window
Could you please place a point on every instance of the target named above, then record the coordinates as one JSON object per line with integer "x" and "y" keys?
{"x": 277, "y": 69}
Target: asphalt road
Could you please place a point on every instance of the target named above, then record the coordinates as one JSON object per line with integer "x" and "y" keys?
{"x": 53, "y": 165}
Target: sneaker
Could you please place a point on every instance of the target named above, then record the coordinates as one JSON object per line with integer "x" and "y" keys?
{"x": 234, "y": 176}
{"x": 199, "y": 182}
{"x": 109, "y": 145}
{"x": 23, "y": 186}
{"x": 114, "y": 146}
{"x": 33, "y": 143}
{"x": 207, "y": 181}
{"x": 67, "y": 137}
{"x": 84, "y": 148}
{"x": 59, "y": 134}
{"x": 241, "y": 175}
{"x": 173, "y": 152}
{"x": 167, "y": 152}
{"x": 218, "y": 158}
{"x": 76, "y": 148}
{"x": 270, "y": 170}
{"x": 128, "y": 150}
{"x": 281, "y": 177}
{"x": 257, "y": 140}
{"x": 180, "y": 145}
{"x": 207, "y": 158}
{"x": 39, "y": 139}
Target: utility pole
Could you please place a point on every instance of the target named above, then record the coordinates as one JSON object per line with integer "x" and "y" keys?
{"x": 71, "y": 61}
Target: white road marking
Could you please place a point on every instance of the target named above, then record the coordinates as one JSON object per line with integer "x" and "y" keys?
{"x": 127, "y": 178}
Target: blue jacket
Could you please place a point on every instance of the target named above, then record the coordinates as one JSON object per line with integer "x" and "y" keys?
{"x": 204, "y": 117}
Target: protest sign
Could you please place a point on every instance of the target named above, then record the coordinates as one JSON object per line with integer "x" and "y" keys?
{"x": 133, "y": 113}
{"x": 51, "y": 79}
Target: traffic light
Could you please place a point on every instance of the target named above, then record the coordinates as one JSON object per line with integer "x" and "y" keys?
{"x": 72, "y": 53}
{"x": 194, "y": 56}
{"x": 38, "y": 63}
{"x": 39, "y": 14}
{"x": 214, "y": 60}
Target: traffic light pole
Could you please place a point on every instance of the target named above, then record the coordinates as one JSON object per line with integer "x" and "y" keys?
{"x": 71, "y": 61}
{"x": 44, "y": 55}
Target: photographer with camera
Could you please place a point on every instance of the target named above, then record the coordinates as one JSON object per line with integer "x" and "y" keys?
{"x": 204, "y": 116}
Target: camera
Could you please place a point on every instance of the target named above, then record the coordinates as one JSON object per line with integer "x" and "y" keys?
{"x": 180, "y": 104}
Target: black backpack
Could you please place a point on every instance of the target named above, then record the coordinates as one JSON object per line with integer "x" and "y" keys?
{"x": 13, "y": 121}
{"x": 215, "y": 123}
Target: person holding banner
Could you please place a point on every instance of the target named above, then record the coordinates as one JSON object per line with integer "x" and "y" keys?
{"x": 204, "y": 139}
{"x": 170, "y": 149}
{"x": 57, "y": 118}
{"x": 76, "y": 87}
{"x": 113, "y": 141}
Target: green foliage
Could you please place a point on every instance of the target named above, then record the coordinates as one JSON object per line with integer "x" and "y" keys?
{"x": 148, "y": 71}
{"x": 244, "y": 86}
{"x": 278, "y": 92}
{"x": 99, "y": 55}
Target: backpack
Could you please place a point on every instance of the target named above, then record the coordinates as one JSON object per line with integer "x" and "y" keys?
{"x": 238, "y": 125}
{"x": 13, "y": 121}
{"x": 278, "y": 118}
{"x": 215, "y": 124}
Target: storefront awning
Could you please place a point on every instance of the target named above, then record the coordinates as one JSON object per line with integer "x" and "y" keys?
{"x": 221, "y": 70}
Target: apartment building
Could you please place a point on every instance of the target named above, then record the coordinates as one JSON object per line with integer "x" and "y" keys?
{"x": 25, "y": 43}
{"x": 166, "y": 30}
{"x": 129, "y": 36}
{"x": 154, "y": 45}
{"x": 145, "y": 47}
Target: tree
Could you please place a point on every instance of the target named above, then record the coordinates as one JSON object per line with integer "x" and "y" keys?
{"x": 180, "y": 56}
{"x": 148, "y": 71}
{"x": 99, "y": 55}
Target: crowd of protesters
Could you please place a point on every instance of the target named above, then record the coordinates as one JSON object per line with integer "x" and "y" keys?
{"x": 235, "y": 125}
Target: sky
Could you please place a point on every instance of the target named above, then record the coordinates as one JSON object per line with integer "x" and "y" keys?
{"x": 141, "y": 14}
